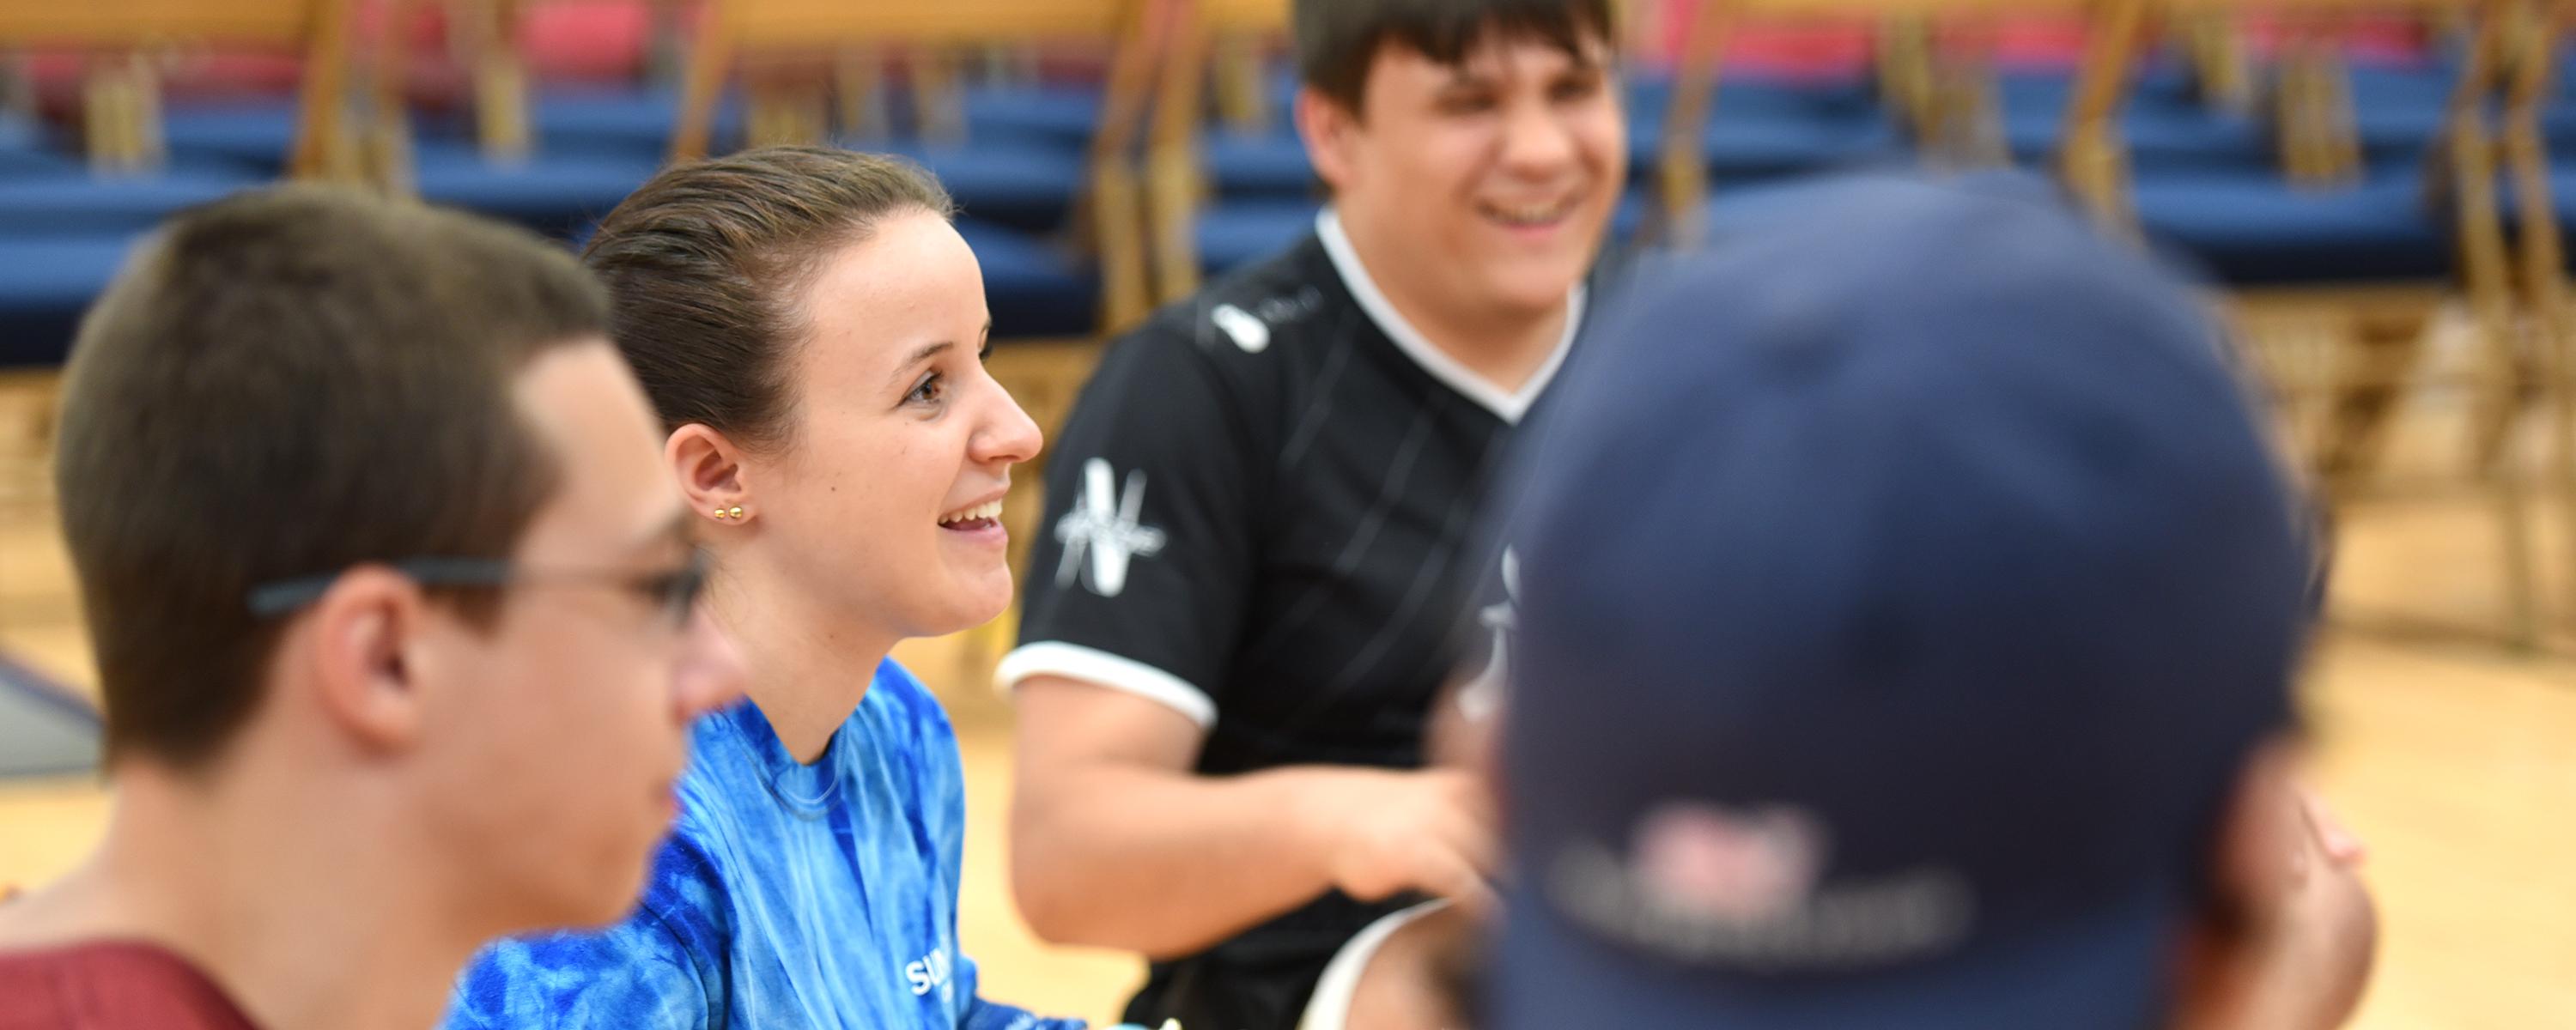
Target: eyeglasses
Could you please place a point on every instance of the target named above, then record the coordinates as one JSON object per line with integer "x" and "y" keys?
{"x": 673, "y": 591}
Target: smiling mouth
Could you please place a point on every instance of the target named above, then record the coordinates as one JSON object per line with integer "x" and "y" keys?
{"x": 982, "y": 516}
{"x": 1529, "y": 216}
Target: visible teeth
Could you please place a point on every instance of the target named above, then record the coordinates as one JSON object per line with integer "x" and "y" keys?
{"x": 1529, "y": 214}
{"x": 987, "y": 510}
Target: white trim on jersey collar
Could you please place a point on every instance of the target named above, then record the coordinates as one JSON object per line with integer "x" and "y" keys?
{"x": 1329, "y": 1008}
{"x": 1509, "y": 406}
{"x": 1117, "y": 672}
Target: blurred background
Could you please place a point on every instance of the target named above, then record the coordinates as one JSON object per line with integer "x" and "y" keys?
{"x": 2375, "y": 192}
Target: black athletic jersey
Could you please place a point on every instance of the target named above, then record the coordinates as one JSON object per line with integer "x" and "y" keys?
{"x": 1259, "y": 514}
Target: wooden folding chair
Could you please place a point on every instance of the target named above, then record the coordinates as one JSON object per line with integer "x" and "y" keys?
{"x": 121, "y": 97}
{"x": 2387, "y": 319}
{"x": 1212, "y": 41}
{"x": 483, "y": 32}
{"x": 737, "y": 32}
{"x": 2540, "y": 258}
{"x": 1939, "y": 98}
{"x": 123, "y": 141}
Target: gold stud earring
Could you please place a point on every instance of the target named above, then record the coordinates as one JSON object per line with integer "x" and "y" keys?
{"x": 736, "y": 513}
{"x": 719, "y": 513}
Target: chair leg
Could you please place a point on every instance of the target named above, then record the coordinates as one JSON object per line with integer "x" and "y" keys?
{"x": 2380, "y": 355}
{"x": 2513, "y": 514}
{"x": 2533, "y": 77}
{"x": 2499, "y": 407}
{"x": 1242, "y": 97}
{"x": 2500, "y": 384}
{"x": 2219, "y": 68}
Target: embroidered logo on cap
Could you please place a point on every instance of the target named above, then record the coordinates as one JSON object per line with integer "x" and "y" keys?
{"x": 1717, "y": 864}
{"x": 1749, "y": 889}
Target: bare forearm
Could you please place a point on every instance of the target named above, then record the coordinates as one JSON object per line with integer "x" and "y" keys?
{"x": 1168, "y": 863}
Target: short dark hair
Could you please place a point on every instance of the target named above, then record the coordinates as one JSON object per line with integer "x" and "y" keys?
{"x": 281, "y": 384}
{"x": 705, "y": 262}
{"x": 1337, "y": 40}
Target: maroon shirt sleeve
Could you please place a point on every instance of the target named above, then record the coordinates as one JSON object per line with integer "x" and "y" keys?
{"x": 111, "y": 985}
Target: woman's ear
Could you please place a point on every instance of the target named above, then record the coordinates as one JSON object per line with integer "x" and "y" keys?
{"x": 708, "y": 467}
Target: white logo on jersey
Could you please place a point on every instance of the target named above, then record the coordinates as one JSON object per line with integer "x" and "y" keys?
{"x": 1251, "y": 334}
{"x": 1111, "y": 530}
{"x": 1482, "y": 695}
{"x": 929, "y": 973}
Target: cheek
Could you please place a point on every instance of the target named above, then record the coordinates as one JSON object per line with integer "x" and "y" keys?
{"x": 879, "y": 495}
{"x": 561, "y": 717}
{"x": 1603, "y": 137}
{"x": 1458, "y": 157}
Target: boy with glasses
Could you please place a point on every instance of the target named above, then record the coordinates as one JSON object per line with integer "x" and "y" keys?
{"x": 393, "y": 608}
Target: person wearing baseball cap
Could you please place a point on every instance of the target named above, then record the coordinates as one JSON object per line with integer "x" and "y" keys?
{"x": 1909, "y": 603}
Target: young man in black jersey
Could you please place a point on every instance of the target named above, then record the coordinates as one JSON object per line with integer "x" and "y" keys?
{"x": 1257, "y": 528}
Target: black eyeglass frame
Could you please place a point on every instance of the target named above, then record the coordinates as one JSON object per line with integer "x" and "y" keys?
{"x": 676, "y": 590}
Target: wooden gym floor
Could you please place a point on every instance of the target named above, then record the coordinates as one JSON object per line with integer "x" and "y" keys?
{"x": 2455, "y": 758}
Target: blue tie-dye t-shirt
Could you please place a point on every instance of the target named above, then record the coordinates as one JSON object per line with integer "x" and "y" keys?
{"x": 788, "y": 895}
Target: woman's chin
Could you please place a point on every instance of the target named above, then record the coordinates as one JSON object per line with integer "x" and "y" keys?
{"x": 974, "y": 603}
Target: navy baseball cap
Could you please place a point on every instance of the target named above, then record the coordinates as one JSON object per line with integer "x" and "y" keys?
{"x": 1903, "y": 589}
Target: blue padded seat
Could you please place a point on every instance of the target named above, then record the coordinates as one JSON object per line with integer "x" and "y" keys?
{"x": 614, "y": 120}
{"x": 255, "y": 133}
{"x": 2163, "y": 125}
{"x": 2399, "y": 109}
{"x": 37, "y": 161}
{"x": 19, "y": 132}
{"x": 2255, "y": 229}
{"x": 2158, "y": 137}
{"x": 552, "y": 193}
{"x": 1025, "y": 186}
{"x": 1749, "y": 147}
{"x": 45, "y": 283}
{"x": 26, "y": 148}
{"x": 1054, "y": 115}
{"x": 1745, "y": 209}
{"x": 69, "y": 200}
{"x": 1034, "y": 288}
{"x": 1750, "y": 96}
{"x": 1240, "y": 231}
{"x": 1742, "y": 209}
{"x": 1248, "y": 164}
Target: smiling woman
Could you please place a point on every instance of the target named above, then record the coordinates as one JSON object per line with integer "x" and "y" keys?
{"x": 812, "y": 331}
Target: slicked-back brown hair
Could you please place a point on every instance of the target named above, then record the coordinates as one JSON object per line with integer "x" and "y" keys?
{"x": 1338, "y": 40}
{"x": 284, "y": 384}
{"x": 706, "y": 262}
